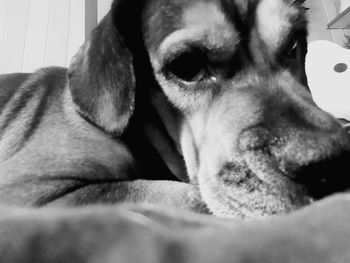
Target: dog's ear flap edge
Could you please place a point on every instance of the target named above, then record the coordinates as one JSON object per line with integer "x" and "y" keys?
{"x": 101, "y": 79}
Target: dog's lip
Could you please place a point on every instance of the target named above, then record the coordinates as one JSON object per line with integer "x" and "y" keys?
{"x": 233, "y": 175}
{"x": 259, "y": 203}
{"x": 243, "y": 178}
{"x": 240, "y": 176}
{"x": 237, "y": 176}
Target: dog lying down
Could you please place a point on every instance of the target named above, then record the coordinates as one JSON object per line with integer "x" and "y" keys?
{"x": 198, "y": 105}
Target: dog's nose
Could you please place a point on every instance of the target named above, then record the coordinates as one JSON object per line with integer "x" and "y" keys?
{"x": 317, "y": 160}
{"x": 325, "y": 177}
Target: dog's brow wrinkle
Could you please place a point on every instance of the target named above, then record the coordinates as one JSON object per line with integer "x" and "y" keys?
{"x": 273, "y": 21}
{"x": 204, "y": 25}
{"x": 203, "y": 14}
{"x": 181, "y": 40}
{"x": 207, "y": 17}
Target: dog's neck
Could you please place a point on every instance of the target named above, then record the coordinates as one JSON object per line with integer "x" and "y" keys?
{"x": 166, "y": 140}
{"x": 162, "y": 132}
{"x": 153, "y": 130}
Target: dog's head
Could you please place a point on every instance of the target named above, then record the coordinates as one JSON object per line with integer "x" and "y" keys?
{"x": 232, "y": 78}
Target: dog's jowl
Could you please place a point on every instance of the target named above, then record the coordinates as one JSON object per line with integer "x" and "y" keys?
{"x": 202, "y": 105}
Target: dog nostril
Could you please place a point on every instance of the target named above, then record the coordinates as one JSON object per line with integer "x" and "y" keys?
{"x": 325, "y": 177}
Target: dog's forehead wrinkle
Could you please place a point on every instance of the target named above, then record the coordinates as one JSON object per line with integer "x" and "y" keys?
{"x": 203, "y": 24}
{"x": 203, "y": 13}
{"x": 215, "y": 41}
{"x": 159, "y": 18}
{"x": 210, "y": 18}
{"x": 162, "y": 17}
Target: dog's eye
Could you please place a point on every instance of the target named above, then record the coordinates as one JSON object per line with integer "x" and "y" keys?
{"x": 293, "y": 51}
{"x": 189, "y": 66}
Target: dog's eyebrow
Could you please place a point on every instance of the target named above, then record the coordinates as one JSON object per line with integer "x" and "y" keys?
{"x": 214, "y": 53}
{"x": 216, "y": 48}
{"x": 203, "y": 26}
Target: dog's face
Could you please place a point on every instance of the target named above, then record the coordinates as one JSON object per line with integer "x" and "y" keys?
{"x": 233, "y": 91}
{"x": 250, "y": 133}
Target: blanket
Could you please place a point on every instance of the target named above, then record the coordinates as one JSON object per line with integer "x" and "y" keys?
{"x": 319, "y": 233}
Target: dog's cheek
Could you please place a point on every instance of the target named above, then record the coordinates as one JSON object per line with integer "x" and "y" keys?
{"x": 213, "y": 189}
{"x": 191, "y": 138}
{"x": 206, "y": 148}
{"x": 235, "y": 191}
{"x": 214, "y": 195}
{"x": 217, "y": 200}
{"x": 183, "y": 96}
{"x": 189, "y": 152}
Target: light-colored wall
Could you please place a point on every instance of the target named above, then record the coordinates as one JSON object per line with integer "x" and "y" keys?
{"x": 320, "y": 14}
{"x": 103, "y": 7}
{"x": 344, "y": 4}
{"x": 39, "y": 33}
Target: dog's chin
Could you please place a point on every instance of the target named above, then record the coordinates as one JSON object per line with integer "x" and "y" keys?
{"x": 245, "y": 195}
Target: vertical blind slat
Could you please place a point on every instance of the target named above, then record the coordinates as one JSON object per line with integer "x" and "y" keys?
{"x": 56, "y": 48}
{"x": 14, "y": 34}
{"x": 34, "y": 52}
{"x": 76, "y": 34}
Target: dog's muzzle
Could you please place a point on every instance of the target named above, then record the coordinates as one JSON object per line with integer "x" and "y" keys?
{"x": 313, "y": 159}
{"x": 277, "y": 151}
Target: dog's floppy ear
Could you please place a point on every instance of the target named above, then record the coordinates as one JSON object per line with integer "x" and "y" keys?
{"x": 101, "y": 77}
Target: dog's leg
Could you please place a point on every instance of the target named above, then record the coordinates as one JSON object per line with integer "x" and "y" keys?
{"x": 75, "y": 192}
{"x": 163, "y": 193}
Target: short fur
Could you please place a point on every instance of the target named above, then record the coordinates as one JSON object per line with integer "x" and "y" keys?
{"x": 201, "y": 105}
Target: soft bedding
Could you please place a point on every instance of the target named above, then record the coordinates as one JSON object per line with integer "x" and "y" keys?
{"x": 319, "y": 233}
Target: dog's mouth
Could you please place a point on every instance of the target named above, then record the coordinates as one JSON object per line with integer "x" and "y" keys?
{"x": 256, "y": 193}
{"x": 250, "y": 195}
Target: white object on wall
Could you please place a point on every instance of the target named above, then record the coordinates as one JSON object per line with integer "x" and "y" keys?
{"x": 328, "y": 72}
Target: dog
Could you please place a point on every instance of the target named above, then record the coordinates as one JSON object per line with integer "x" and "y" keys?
{"x": 200, "y": 105}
